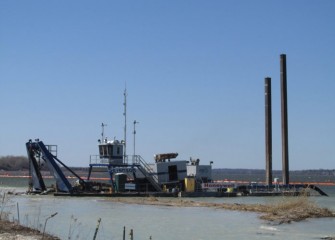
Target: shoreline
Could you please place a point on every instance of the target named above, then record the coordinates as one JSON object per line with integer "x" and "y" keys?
{"x": 12, "y": 230}
{"x": 289, "y": 210}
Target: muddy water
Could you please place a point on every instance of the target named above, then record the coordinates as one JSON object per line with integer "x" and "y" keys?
{"x": 77, "y": 219}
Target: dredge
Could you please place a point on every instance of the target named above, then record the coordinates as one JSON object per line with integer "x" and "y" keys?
{"x": 131, "y": 175}
{"x": 128, "y": 176}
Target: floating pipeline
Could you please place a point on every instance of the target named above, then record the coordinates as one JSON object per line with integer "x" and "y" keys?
{"x": 277, "y": 190}
{"x": 263, "y": 183}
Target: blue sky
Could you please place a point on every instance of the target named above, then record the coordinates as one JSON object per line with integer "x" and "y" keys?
{"x": 194, "y": 72}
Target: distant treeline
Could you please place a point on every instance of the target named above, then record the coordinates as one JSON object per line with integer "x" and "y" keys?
{"x": 20, "y": 163}
{"x": 14, "y": 163}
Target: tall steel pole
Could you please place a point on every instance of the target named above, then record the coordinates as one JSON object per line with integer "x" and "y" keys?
{"x": 268, "y": 131}
{"x": 134, "y": 135}
{"x": 103, "y": 125}
{"x": 284, "y": 122}
{"x": 125, "y": 124}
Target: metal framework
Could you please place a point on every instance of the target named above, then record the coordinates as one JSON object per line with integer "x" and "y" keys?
{"x": 37, "y": 151}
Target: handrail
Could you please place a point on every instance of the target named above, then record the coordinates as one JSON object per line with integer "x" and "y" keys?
{"x": 97, "y": 159}
{"x": 147, "y": 171}
{"x": 148, "y": 168}
{"x": 137, "y": 160}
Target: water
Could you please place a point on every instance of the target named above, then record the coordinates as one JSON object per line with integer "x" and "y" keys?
{"x": 77, "y": 219}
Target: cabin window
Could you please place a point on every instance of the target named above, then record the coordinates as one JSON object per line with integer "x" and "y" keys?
{"x": 118, "y": 150}
{"x": 110, "y": 150}
{"x": 101, "y": 151}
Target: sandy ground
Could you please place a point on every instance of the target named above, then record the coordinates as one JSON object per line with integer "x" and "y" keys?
{"x": 11, "y": 231}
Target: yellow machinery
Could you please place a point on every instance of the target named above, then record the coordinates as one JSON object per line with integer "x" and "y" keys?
{"x": 189, "y": 184}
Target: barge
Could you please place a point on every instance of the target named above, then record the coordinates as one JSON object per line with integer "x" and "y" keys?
{"x": 132, "y": 176}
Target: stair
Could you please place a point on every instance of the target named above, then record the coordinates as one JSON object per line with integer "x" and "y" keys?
{"x": 147, "y": 172}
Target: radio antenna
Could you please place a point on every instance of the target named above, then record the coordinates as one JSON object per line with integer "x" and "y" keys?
{"x": 103, "y": 125}
{"x": 125, "y": 123}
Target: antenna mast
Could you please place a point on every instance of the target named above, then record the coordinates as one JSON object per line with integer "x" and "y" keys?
{"x": 103, "y": 125}
{"x": 125, "y": 123}
{"x": 135, "y": 122}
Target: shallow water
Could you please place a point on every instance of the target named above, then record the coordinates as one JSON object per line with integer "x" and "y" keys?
{"x": 162, "y": 222}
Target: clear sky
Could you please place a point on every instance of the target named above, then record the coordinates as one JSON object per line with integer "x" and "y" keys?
{"x": 194, "y": 72}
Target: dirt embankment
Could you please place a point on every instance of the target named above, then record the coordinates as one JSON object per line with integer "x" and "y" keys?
{"x": 10, "y": 230}
{"x": 290, "y": 209}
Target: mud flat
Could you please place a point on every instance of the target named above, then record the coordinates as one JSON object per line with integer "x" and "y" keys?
{"x": 290, "y": 209}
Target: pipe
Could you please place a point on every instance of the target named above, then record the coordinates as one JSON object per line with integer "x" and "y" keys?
{"x": 268, "y": 131}
{"x": 284, "y": 122}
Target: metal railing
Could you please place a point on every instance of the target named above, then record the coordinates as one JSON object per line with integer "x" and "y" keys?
{"x": 136, "y": 160}
{"x": 100, "y": 159}
{"x": 147, "y": 171}
{"x": 53, "y": 149}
